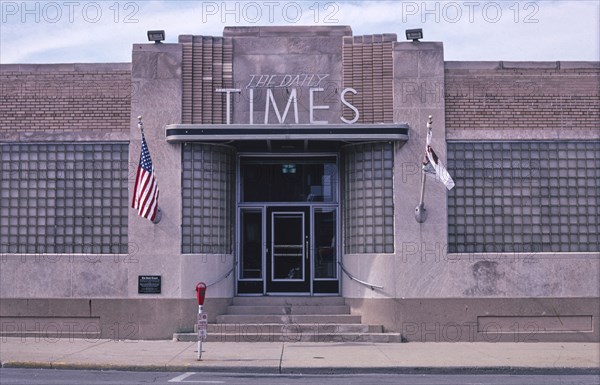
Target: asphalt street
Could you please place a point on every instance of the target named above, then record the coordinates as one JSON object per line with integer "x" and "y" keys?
{"x": 81, "y": 377}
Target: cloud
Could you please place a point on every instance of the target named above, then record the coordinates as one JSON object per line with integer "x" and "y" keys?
{"x": 104, "y": 31}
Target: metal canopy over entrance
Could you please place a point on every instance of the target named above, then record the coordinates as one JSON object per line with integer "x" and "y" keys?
{"x": 311, "y": 132}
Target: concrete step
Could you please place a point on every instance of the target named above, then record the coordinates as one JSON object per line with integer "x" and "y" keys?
{"x": 289, "y": 309}
{"x": 282, "y": 301}
{"x": 288, "y": 319}
{"x": 294, "y": 337}
{"x": 291, "y": 328}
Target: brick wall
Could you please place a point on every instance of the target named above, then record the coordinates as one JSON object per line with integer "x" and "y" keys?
{"x": 57, "y": 98}
{"x": 522, "y": 96}
{"x": 207, "y": 65}
{"x": 368, "y": 68}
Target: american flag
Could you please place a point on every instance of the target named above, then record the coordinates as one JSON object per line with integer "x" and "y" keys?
{"x": 145, "y": 192}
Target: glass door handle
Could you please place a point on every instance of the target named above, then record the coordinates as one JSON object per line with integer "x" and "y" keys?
{"x": 306, "y": 249}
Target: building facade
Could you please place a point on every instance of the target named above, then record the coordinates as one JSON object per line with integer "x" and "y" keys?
{"x": 288, "y": 161}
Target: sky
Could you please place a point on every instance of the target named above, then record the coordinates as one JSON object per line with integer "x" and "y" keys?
{"x": 104, "y": 31}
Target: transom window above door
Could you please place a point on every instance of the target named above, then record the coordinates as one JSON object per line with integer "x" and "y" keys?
{"x": 289, "y": 180}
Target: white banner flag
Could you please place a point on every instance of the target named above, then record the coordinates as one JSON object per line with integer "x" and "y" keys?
{"x": 433, "y": 165}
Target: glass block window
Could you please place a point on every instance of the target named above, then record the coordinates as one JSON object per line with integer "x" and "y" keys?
{"x": 208, "y": 204}
{"x": 524, "y": 197}
{"x": 369, "y": 198}
{"x": 64, "y": 198}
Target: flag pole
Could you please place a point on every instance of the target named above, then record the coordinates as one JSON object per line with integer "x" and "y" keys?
{"x": 158, "y": 210}
{"x": 420, "y": 210}
{"x": 141, "y": 124}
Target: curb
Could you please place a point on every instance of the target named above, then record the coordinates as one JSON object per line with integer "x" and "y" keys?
{"x": 304, "y": 370}
{"x": 135, "y": 368}
{"x": 453, "y": 370}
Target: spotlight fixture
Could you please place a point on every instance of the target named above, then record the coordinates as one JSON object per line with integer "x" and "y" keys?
{"x": 156, "y": 36}
{"x": 414, "y": 34}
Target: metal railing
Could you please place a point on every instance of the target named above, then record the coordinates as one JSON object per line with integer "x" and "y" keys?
{"x": 352, "y": 277}
{"x": 223, "y": 276}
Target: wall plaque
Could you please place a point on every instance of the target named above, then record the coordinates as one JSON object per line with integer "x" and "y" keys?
{"x": 149, "y": 284}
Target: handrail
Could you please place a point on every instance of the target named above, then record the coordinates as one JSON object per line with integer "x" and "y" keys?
{"x": 352, "y": 277}
{"x": 223, "y": 276}
{"x": 370, "y": 285}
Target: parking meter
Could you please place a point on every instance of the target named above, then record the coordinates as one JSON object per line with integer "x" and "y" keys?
{"x": 202, "y": 317}
{"x": 200, "y": 293}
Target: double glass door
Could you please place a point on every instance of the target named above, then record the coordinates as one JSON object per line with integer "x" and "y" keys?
{"x": 288, "y": 226}
{"x": 288, "y": 249}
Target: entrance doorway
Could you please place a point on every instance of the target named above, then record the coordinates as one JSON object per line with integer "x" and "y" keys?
{"x": 288, "y": 226}
{"x": 288, "y": 250}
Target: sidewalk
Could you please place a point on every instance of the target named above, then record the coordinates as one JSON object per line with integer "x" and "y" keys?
{"x": 298, "y": 357}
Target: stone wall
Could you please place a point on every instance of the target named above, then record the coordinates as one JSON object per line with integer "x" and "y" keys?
{"x": 295, "y": 52}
